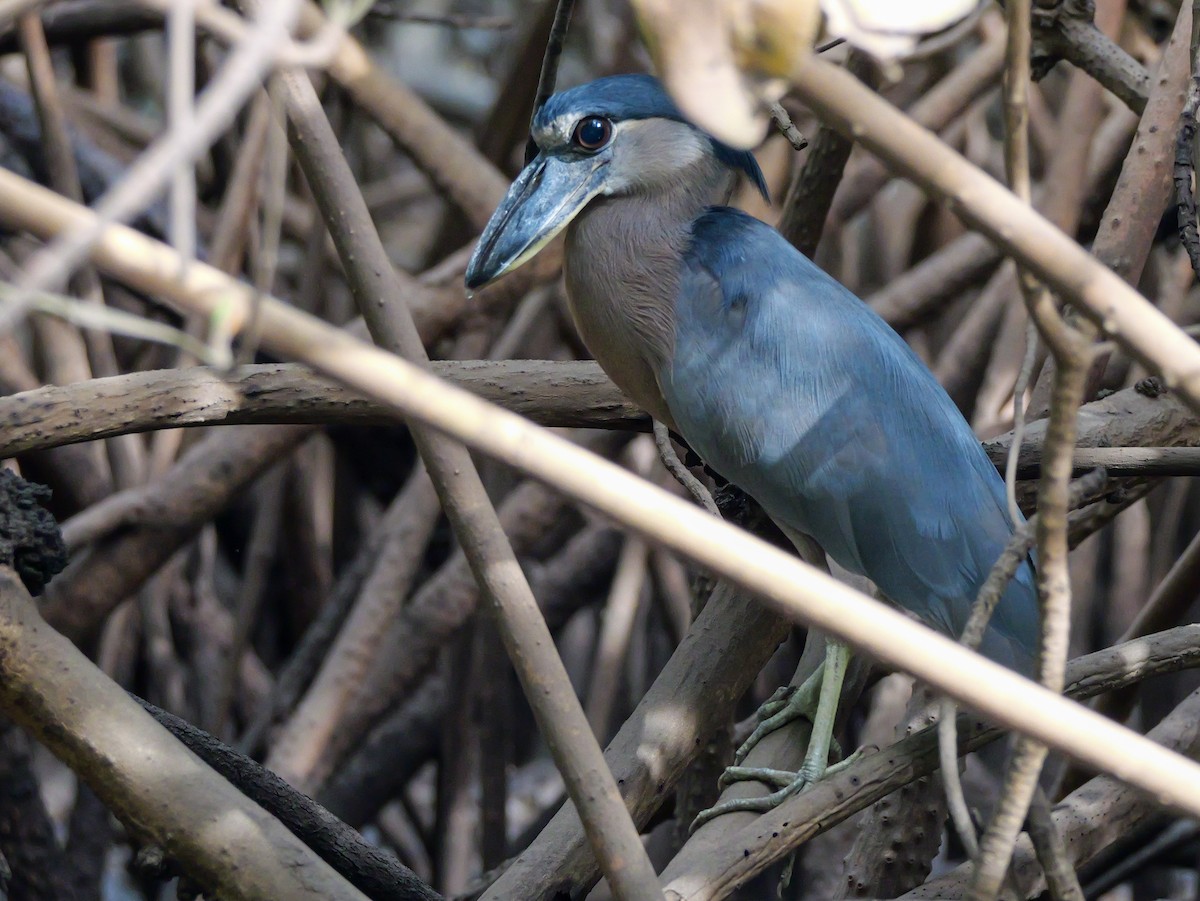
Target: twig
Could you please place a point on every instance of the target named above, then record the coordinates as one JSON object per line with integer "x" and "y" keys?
{"x": 666, "y": 452}
{"x": 787, "y": 127}
{"x": 554, "y": 49}
{"x": 782, "y": 581}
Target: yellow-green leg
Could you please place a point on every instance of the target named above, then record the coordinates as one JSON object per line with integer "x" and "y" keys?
{"x": 824, "y": 687}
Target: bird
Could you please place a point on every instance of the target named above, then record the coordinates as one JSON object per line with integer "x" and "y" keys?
{"x": 777, "y": 376}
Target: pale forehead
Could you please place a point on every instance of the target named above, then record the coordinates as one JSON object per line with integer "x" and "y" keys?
{"x": 558, "y": 130}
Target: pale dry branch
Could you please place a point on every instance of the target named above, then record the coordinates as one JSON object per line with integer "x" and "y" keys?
{"x": 784, "y": 583}
{"x": 238, "y": 78}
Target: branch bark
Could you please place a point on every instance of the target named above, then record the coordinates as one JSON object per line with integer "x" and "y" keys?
{"x": 776, "y": 834}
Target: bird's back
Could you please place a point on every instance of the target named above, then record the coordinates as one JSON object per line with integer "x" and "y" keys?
{"x": 792, "y": 388}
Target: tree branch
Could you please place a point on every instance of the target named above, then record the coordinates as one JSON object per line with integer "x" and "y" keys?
{"x": 162, "y": 792}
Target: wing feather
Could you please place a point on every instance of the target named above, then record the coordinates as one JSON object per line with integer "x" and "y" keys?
{"x": 792, "y": 388}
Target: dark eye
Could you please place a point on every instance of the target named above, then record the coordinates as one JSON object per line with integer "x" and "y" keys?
{"x": 592, "y": 133}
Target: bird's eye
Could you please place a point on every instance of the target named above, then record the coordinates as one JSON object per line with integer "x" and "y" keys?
{"x": 592, "y": 133}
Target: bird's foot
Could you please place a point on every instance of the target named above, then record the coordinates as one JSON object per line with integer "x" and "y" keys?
{"x": 786, "y": 705}
{"x": 785, "y": 782}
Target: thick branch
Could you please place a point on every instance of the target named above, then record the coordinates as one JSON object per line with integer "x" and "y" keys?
{"x": 1135, "y": 432}
{"x": 1065, "y": 30}
{"x": 369, "y": 869}
{"x": 160, "y": 790}
{"x": 774, "y": 835}
{"x": 567, "y": 394}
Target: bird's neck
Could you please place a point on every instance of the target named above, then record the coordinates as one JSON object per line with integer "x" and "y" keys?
{"x": 621, "y": 264}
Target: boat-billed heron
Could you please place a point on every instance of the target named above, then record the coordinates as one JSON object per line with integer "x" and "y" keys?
{"x": 780, "y": 378}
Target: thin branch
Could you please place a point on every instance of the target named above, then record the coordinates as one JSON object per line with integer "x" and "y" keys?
{"x": 554, "y": 49}
{"x": 670, "y": 459}
{"x": 784, "y": 583}
{"x": 1054, "y": 590}
{"x": 1015, "y": 553}
{"x": 560, "y": 717}
{"x": 1057, "y": 260}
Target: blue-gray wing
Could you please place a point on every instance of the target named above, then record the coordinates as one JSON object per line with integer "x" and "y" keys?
{"x": 793, "y": 389}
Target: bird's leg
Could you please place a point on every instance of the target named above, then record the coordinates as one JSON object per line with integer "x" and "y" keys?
{"x": 826, "y": 686}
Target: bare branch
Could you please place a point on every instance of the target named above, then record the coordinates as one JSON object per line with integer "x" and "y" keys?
{"x": 1061, "y": 263}
{"x": 560, "y": 716}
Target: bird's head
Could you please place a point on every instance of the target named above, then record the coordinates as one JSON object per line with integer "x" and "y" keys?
{"x": 614, "y": 136}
